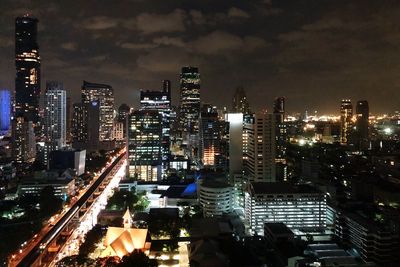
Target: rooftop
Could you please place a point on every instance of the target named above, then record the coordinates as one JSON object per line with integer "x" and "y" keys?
{"x": 281, "y": 188}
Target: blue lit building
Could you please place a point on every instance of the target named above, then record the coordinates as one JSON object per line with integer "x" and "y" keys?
{"x": 5, "y": 111}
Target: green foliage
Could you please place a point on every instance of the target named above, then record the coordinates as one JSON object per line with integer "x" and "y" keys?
{"x": 92, "y": 237}
{"x": 137, "y": 259}
{"x": 123, "y": 198}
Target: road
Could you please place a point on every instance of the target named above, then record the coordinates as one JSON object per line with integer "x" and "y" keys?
{"x": 48, "y": 233}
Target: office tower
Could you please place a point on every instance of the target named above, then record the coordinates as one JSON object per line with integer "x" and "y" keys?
{"x": 23, "y": 141}
{"x": 78, "y": 123}
{"x": 300, "y": 207}
{"x": 160, "y": 101}
{"x": 346, "y": 120}
{"x": 190, "y": 100}
{"x": 240, "y": 104}
{"x": 280, "y": 138}
{"x": 104, "y": 95}
{"x": 144, "y": 145}
{"x": 118, "y": 131}
{"x": 235, "y": 121}
{"x": 70, "y": 114}
{"x": 260, "y": 152}
{"x": 55, "y": 117}
{"x": 5, "y": 111}
{"x": 27, "y": 64}
{"x": 211, "y": 138}
{"x": 362, "y": 124}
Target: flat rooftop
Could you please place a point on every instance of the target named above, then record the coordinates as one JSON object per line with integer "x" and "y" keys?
{"x": 281, "y": 188}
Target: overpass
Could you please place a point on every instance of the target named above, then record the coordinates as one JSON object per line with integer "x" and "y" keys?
{"x": 48, "y": 246}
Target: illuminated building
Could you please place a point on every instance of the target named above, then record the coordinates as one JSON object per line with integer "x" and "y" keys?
{"x": 121, "y": 241}
{"x": 190, "y": 106}
{"x": 69, "y": 116}
{"x": 27, "y": 64}
{"x": 104, "y": 95}
{"x": 346, "y": 120}
{"x": 144, "y": 145}
{"x": 362, "y": 125}
{"x": 299, "y": 207}
{"x": 5, "y": 111}
{"x": 259, "y": 164}
{"x": 78, "y": 123}
{"x": 118, "y": 131}
{"x": 23, "y": 140}
{"x": 55, "y": 115}
{"x": 240, "y": 104}
{"x": 280, "y": 138}
{"x": 160, "y": 101}
{"x": 62, "y": 187}
{"x": 210, "y": 148}
{"x": 215, "y": 197}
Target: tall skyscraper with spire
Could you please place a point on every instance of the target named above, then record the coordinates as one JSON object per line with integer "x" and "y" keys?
{"x": 27, "y": 64}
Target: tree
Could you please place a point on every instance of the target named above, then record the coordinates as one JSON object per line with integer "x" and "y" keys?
{"x": 137, "y": 259}
{"x": 49, "y": 203}
{"x": 92, "y": 237}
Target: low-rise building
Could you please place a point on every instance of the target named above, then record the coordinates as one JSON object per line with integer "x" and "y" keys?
{"x": 216, "y": 197}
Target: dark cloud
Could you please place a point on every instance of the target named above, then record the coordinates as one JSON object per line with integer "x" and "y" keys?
{"x": 314, "y": 52}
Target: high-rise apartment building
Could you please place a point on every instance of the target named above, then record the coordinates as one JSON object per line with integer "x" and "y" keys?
{"x": 27, "y": 64}
{"x": 259, "y": 158}
{"x": 23, "y": 140}
{"x": 346, "y": 120}
{"x": 240, "y": 104}
{"x": 190, "y": 100}
{"x": 280, "y": 138}
{"x": 144, "y": 145}
{"x": 55, "y": 114}
{"x": 104, "y": 95}
{"x": 78, "y": 123}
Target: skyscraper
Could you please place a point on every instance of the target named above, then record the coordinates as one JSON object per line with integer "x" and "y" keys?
{"x": 210, "y": 136}
{"x": 160, "y": 101}
{"x": 362, "y": 124}
{"x": 346, "y": 120}
{"x": 23, "y": 140}
{"x": 259, "y": 165}
{"x": 280, "y": 138}
{"x": 78, "y": 123}
{"x": 27, "y": 64}
{"x": 190, "y": 100}
{"x": 104, "y": 95}
{"x": 123, "y": 115}
{"x": 55, "y": 118}
{"x": 5, "y": 111}
{"x": 240, "y": 104}
{"x": 144, "y": 145}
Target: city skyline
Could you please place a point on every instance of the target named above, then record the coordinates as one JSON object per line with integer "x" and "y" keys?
{"x": 303, "y": 49}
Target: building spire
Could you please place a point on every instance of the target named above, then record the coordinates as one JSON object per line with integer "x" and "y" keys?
{"x": 127, "y": 219}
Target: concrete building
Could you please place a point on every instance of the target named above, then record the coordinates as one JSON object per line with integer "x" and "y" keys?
{"x": 23, "y": 140}
{"x": 68, "y": 159}
{"x": 259, "y": 157}
{"x": 215, "y": 197}
{"x": 300, "y": 207}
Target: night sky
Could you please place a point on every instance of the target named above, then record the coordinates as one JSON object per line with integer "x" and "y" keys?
{"x": 314, "y": 52}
